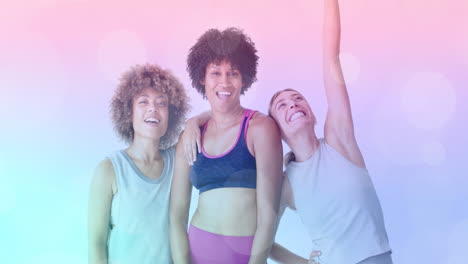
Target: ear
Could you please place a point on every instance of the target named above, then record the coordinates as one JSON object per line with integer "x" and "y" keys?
{"x": 202, "y": 82}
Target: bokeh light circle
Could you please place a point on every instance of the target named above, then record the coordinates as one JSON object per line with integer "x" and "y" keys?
{"x": 428, "y": 100}
{"x": 118, "y": 51}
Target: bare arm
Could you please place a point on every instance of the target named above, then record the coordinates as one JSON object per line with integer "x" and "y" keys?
{"x": 181, "y": 191}
{"x": 268, "y": 155}
{"x": 99, "y": 206}
{"x": 192, "y": 136}
{"x": 279, "y": 253}
{"x": 339, "y": 130}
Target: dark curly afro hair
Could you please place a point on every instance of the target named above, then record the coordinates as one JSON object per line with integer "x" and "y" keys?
{"x": 231, "y": 45}
{"x": 131, "y": 84}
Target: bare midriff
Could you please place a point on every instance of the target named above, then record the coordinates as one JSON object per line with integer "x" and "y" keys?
{"x": 227, "y": 211}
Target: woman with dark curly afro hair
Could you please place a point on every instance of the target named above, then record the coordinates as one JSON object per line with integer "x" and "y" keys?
{"x": 238, "y": 170}
{"x": 129, "y": 197}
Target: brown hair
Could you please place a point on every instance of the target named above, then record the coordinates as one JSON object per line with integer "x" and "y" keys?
{"x": 132, "y": 82}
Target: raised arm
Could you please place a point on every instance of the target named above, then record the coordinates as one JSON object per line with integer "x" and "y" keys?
{"x": 192, "y": 136}
{"x": 268, "y": 155}
{"x": 181, "y": 191}
{"x": 339, "y": 130}
{"x": 99, "y": 206}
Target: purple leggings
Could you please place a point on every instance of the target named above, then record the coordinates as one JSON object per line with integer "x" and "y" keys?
{"x": 210, "y": 248}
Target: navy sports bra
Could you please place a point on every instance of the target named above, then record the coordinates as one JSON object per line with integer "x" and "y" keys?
{"x": 235, "y": 168}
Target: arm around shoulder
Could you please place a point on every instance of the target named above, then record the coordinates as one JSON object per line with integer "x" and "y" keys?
{"x": 192, "y": 136}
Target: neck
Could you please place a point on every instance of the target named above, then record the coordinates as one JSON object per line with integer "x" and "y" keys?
{"x": 226, "y": 118}
{"x": 144, "y": 149}
{"x": 303, "y": 144}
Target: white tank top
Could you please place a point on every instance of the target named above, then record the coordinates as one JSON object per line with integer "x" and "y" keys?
{"x": 337, "y": 203}
{"x": 140, "y": 213}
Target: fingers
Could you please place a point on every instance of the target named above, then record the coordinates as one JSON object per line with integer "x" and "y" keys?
{"x": 198, "y": 142}
{"x": 192, "y": 142}
{"x": 314, "y": 257}
{"x": 193, "y": 150}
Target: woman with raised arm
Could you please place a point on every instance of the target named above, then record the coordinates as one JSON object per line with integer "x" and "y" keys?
{"x": 239, "y": 171}
{"x": 327, "y": 181}
{"x": 129, "y": 197}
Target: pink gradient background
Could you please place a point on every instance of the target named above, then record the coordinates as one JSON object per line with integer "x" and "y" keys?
{"x": 406, "y": 64}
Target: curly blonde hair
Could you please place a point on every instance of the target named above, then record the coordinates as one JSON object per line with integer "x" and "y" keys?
{"x": 132, "y": 82}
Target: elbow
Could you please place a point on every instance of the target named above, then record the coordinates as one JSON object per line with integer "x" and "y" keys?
{"x": 267, "y": 219}
{"x": 97, "y": 241}
{"x": 97, "y": 244}
{"x": 177, "y": 219}
{"x": 97, "y": 252}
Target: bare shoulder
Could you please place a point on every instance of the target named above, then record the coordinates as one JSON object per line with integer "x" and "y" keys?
{"x": 348, "y": 149}
{"x": 105, "y": 169}
{"x": 261, "y": 123}
{"x": 264, "y": 134}
{"x": 104, "y": 175}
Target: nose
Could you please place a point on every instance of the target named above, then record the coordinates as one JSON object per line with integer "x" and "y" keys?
{"x": 151, "y": 107}
{"x": 224, "y": 79}
{"x": 292, "y": 105}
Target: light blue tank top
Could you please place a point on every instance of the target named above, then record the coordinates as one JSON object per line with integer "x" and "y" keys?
{"x": 337, "y": 203}
{"x": 140, "y": 213}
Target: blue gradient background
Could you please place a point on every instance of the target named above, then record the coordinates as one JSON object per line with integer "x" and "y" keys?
{"x": 405, "y": 62}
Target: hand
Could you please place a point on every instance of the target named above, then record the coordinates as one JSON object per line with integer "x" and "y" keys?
{"x": 314, "y": 257}
{"x": 191, "y": 138}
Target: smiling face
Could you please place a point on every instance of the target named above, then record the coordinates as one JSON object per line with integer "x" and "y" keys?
{"x": 223, "y": 84}
{"x": 150, "y": 114}
{"x": 291, "y": 111}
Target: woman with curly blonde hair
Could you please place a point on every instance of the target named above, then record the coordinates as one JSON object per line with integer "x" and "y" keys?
{"x": 129, "y": 197}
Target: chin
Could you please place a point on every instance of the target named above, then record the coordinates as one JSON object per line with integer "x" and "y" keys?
{"x": 153, "y": 136}
{"x": 302, "y": 124}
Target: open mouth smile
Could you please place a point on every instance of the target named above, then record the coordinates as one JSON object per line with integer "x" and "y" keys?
{"x": 152, "y": 120}
{"x": 223, "y": 94}
{"x": 296, "y": 115}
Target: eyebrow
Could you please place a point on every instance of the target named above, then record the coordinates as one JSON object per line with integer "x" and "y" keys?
{"x": 276, "y": 105}
{"x": 157, "y": 97}
{"x": 292, "y": 95}
{"x": 233, "y": 68}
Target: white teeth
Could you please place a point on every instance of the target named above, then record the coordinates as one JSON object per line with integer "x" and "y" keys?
{"x": 224, "y": 93}
{"x": 296, "y": 116}
{"x": 152, "y": 120}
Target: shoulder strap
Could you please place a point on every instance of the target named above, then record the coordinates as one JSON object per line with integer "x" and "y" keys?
{"x": 246, "y": 123}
